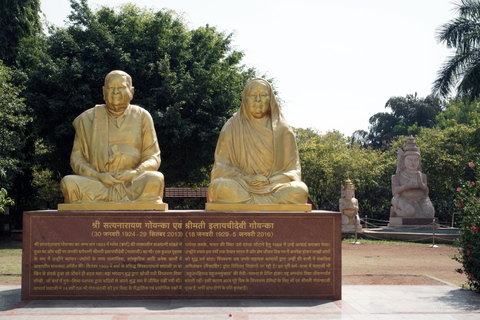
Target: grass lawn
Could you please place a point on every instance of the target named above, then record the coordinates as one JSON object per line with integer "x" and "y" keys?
{"x": 10, "y": 262}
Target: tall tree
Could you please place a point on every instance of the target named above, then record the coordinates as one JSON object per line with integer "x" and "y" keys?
{"x": 13, "y": 125}
{"x": 462, "y": 70}
{"x": 408, "y": 114}
{"x": 189, "y": 80}
{"x": 15, "y": 162}
{"x": 459, "y": 112}
{"x": 19, "y": 19}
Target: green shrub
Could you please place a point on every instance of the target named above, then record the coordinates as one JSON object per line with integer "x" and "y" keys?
{"x": 467, "y": 199}
{"x": 329, "y": 159}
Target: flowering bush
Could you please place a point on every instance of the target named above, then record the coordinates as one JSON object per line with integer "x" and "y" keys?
{"x": 468, "y": 201}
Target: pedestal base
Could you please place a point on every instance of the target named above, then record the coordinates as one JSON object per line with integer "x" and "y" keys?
{"x": 110, "y": 206}
{"x": 181, "y": 254}
{"x": 399, "y": 222}
{"x": 238, "y": 207}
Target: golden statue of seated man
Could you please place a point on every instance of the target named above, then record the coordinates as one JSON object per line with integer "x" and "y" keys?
{"x": 115, "y": 153}
{"x": 256, "y": 159}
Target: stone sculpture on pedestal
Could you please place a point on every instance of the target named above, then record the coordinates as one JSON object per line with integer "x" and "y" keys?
{"x": 115, "y": 154}
{"x": 348, "y": 206}
{"x": 409, "y": 187}
{"x": 256, "y": 159}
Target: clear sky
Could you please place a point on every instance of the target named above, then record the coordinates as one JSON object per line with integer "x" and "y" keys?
{"x": 335, "y": 62}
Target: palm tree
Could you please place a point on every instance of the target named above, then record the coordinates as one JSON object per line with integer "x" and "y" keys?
{"x": 462, "y": 70}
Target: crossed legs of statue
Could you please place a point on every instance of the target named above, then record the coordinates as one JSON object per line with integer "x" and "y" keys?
{"x": 404, "y": 207}
{"x": 146, "y": 187}
{"x": 226, "y": 190}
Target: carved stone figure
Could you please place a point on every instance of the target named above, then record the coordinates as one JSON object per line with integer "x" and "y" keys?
{"x": 409, "y": 186}
{"x": 115, "y": 153}
{"x": 256, "y": 159}
{"x": 348, "y": 206}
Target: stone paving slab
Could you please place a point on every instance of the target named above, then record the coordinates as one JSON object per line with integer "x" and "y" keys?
{"x": 359, "y": 302}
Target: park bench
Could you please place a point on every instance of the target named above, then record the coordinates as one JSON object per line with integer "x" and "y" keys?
{"x": 198, "y": 193}
{"x": 185, "y": 193}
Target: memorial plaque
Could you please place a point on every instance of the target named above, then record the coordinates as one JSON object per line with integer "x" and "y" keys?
{"x": 181, "y": 254}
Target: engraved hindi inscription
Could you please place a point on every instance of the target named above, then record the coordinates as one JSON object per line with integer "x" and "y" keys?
{"x": 189, "y": 255}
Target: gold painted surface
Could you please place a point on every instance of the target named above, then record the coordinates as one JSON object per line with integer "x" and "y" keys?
{"x": 256, "y": 159}
{"x": 258, "y": 207}
{"x": 111, "y": 206}
{"x": 115, "y": 153}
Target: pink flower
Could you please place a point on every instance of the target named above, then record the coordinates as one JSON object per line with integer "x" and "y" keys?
{"x": 473, "y": 183}
{"x": 471, "y": 164}
{"x": 471, "y": 275}
{"x": 460, "y": 205}
{"x": 468, "y": 253}
{"x": 458, "y": 189}
{"x": 468, "y": 259}
{"x": 461, "y": 271}
{"x": 475, "y": 229}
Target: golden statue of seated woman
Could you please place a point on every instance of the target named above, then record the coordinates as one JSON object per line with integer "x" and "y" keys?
{"x": 256, "y": 159}
{"x": 115, "y": 153}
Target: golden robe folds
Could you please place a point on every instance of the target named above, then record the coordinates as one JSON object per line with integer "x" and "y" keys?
{"x": 106, "y": 143}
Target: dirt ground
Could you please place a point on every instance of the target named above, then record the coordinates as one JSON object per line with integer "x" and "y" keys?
{"x": 362, "y": 264}
{"x": 389, "y": 264}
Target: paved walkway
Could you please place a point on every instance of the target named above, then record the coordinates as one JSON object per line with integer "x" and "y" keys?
{"x": 443, "y": 302}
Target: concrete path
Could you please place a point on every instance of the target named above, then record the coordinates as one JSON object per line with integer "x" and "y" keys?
{"x": 443, "y": 302}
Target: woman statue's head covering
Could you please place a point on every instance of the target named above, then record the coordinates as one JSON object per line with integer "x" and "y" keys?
{"x": 275, "y": 112}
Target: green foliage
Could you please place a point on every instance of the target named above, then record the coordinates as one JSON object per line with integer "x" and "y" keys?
{"x": 19, "y": 19}
{"x": 461, "y": 71}
{"x": 443, "y": 152}
{"x": 328, "y": 160}
{"x": 407, "y": 116}
{"x": 13, "y": 127}
{"x": 459, "y": 112}
{"x": 467, "y": 199}
{"x": 47, "y": 190}
{"x": 189, "y": 80}
{"x": 5, "y": 201}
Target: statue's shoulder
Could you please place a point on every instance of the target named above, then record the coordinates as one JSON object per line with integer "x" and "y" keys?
{"x": 228, "y": 126}
{"x": 136, "y": 108}
{"x": 139, "y": 110}
{"x": 89, "y": 115}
